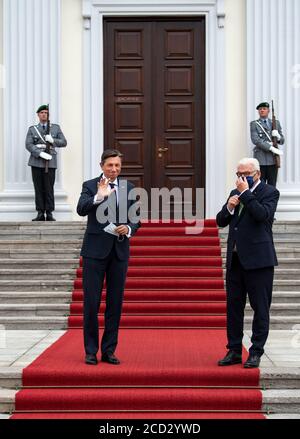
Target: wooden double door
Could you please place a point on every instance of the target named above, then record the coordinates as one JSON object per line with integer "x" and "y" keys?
{"x": 154, "y": 98}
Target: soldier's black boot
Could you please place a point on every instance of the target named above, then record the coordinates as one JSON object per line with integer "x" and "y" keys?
{"x": 50, "y": 217}
{"x": 40, "y": 217}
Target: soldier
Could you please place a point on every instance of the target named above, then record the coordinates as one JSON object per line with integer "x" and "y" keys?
{"x": 44, "y": 179}
{"x": 264, "y": 151}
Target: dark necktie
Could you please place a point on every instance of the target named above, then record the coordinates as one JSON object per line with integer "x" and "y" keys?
{"x": 113, "y": 186}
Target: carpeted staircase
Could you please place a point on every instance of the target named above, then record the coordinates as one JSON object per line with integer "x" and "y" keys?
{"x": 172, "y": 334}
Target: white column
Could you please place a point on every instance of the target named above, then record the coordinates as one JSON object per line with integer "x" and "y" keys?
{"x": 273, "y": 72}
{"x": 31, "y": 35}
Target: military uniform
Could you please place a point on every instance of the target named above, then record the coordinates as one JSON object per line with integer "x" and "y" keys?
{"x": 44, "y": 182}
{"x": 261, "y": 136}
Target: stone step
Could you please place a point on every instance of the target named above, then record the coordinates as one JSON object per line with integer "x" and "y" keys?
{"x": 279, "y": 225}
{"x": 282, "y": 252}
{"x": 63, "y": 309}
{"x": 282, "y": 242}
{"x": 277, "y": 234}
{"x": 280, "y": 378}
{"x": 67, "y": 233}
{"x": 10, "y": 377}
{"x": 67, "y": 285}
{"x": 57, "y": 224}
{"x": 54, "y": 264}
{"x": 283, "y": 416}
{"x": 39, "y": 253}
{"x": 36, "y": 297}
{"x": 281, "y": 401}
{"x": 270, "y": 378}
{"x": 38, "y": 322}
{"x": 7, "y": 400}
{"x": 71, "y": 233}
{"x": 42, "y": 273}
{"x": 35, "y": 244}
{"x": 60, "y": 243}
{"x": 36, "y": 285}
{"x": 37, "y": 274}
{"x": 34, "y": 310}
{"x": 61, "y": 322}
{"x": 275, "y": 401}
{"x": 71, "y": 263}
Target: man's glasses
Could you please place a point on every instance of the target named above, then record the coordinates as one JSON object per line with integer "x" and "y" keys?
{"x": 245, "y": 174}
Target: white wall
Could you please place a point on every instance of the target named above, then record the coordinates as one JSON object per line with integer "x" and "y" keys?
{"x": 237, "y": 130}
{"x": 71, "y": 98}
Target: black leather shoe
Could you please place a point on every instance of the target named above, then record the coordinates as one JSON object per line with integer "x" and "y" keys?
{"x": 230, "y": 359}
{"x": 40, "y": 217}
{"x": 91, "y": 359}
{"x": 110, "y": 358}
{"x": 252, "y": 361}
{"x": 50, "y": 217}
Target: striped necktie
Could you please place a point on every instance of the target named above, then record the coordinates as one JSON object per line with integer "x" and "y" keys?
{"x": 240, "y": 208}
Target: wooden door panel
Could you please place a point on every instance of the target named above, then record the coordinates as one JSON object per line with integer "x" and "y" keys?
{"x": 155, "y": 99}
{"x": 128, "y": 96}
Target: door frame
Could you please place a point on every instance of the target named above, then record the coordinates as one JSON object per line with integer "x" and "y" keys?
{"x": 94, "y": 12}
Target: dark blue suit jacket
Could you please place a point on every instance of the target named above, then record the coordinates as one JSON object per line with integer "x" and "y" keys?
{"x": 252, "y": 230}
{"x": 97, "y": 243}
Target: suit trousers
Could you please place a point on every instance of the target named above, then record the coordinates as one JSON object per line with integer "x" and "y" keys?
{"x": 269, "y": 174}
{"x": 258, "y": 284}
{"x": 94, "y": 272}
{"x": 44, "y": 188}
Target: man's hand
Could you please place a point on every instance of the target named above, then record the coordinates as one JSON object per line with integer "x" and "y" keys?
{"x": 49, "y": 139}
{"x": 242, "y": 184}
{"x": 45, "y": 156}
{"x": 233, "y": 202}
{"x": 275, "y": 133}
{"x": 122, "y": 230}
{"x": 276, "y": 151}
{"x": 104, "y": 190}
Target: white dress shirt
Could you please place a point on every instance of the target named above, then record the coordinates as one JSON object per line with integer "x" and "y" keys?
{"x": 99, "y": 200}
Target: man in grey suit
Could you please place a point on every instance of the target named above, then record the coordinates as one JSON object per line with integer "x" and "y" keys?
{"x": 264, "y": 151}
{"x": 36, "y": 142}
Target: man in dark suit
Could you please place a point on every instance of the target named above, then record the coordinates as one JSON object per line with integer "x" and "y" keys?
{"x": 105, "y": 253}
{"x": 249, "y": 212}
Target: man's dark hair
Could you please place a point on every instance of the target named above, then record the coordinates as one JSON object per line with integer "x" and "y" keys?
{"x": 110, "y": 153}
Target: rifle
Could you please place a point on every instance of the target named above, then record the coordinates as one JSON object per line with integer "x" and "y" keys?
{"x": 48, "y": 145}
{"x": 274, "y": 139}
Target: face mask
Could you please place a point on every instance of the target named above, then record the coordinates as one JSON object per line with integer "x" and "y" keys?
{"x": 250, "y": 181}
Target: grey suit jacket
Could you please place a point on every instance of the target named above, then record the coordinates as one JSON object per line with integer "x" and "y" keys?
{"x": 35, "y": 145}
{"x": 262, "y": 149}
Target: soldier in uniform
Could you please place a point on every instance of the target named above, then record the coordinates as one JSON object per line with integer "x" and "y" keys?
{"x": 44, "y": 181}
{"x": 264, "y": 151}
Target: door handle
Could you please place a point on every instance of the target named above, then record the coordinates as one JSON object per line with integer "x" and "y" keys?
{"x": 163, "y": 149}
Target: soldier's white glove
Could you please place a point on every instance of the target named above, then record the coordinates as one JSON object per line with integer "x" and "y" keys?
{"x": 45, "y": 156}
{"x": 49, "y": 139}
{"x": 276, "y": 151}
{"x": 275, "y": 133}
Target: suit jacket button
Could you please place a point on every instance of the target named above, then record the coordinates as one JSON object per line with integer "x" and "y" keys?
{"x": 235, "y": 228}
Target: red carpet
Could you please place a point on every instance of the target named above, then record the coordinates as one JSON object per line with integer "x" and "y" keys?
{"x": 169, "y": 343}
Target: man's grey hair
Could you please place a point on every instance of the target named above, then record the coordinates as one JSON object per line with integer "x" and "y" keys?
{"x": 250, "y": 161}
